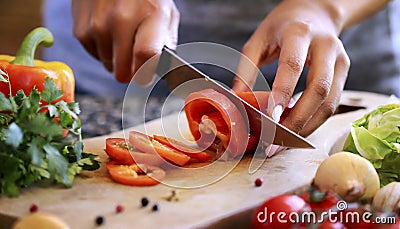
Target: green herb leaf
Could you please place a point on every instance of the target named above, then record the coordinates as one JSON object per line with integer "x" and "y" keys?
{"x": 58, "y": 165}
{"x": 32, "y": 142}
{"x": 14, "y": 135}
{"x": 36, "y": 152}
{"x": 5, "y": 104}
{"x": 40, "y": 124}
{"x": 51, "y": 92}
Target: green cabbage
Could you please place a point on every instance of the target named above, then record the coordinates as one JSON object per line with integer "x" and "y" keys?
{"x": 376, "y": 137}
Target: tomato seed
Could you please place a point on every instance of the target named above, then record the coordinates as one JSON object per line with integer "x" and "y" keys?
{"x": 34, "y": 208}
{"x": 258, "y": 182}
{"x": 154, "y": 208}
{"x": 99, "y": 220}
{"x": 119, "y": 208}
{"x": 145, "y": 202}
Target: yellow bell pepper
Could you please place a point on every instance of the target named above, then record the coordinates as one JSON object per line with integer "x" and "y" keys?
{"x": 26, "y": 73}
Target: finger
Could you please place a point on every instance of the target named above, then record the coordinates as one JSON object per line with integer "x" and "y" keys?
{"x": 123, "y": 40}
{"x": 100, "y": 25}
{"x": 149, "y": 41}
{"x": 254, "y": 52}
{"x": 328, "y": 108}
{"x": 291, "y": 62}
{"x": 81, "y": 25}
{"x": 319, "y": 81}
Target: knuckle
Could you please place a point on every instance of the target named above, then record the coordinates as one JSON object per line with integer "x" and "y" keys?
{"x": 294, "y": 64}
{"x": 328, "y": 109}
{"x": 344, "y": 60}
{"x": 301, "y": 28}
{"x": 331, "y": 41}
{"x": 121, "y": 16}
{"x": 322, "y": 87}
{"x": 98, "y": 26}
{"x": 296, "y": 125}
{"x": 285, "y": 91}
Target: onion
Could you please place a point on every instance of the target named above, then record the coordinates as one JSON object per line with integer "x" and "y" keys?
{"x": 349, "y": 175}
{"x": 387, "y": 199}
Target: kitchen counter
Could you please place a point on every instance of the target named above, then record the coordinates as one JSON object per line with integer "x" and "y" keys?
{"x": 103, "y": 115}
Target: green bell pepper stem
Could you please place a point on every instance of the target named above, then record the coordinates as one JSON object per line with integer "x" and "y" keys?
{"x": 26, "y": 52}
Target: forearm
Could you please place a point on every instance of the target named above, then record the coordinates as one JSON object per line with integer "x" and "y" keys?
{"x": 346, "y": 13}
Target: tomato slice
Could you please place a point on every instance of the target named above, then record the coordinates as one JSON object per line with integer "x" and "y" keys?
{"x": 118, "y": 150}
{"x": 135, "y": 175}
{"x": 149, "y": 145}
{"x": 191, "y": 151}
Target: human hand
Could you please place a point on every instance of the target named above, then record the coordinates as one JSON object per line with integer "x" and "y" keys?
{"x": 124, "y": 34}
{"x": 299, "y": 33}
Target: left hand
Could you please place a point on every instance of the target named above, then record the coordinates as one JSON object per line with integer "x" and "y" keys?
{"x": 299, "y": 33}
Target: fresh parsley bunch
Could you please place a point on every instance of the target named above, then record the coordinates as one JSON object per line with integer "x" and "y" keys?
{"x": 40, "y": 139}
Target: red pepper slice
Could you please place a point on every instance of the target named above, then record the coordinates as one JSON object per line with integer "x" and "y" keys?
{"x": 192, "y": 152}
{"x": 135, "y": 175}
{"x": 149, "y": 145}
{"x": 117, "y": 150}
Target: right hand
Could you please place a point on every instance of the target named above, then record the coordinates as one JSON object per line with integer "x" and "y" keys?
{"x": 124, "y": 34}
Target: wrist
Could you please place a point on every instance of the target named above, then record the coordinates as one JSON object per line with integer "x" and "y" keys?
{"x": 345, "y": 13}
{"x": 335, "y": 12}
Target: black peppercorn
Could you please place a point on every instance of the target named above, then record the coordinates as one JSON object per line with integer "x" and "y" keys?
{"x": 99, "y": 220}
{"x": 154, "y": 208}
{"x": 144, "y": 202}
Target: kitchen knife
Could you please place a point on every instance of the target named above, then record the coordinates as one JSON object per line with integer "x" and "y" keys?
{"x": 178, "y": 73}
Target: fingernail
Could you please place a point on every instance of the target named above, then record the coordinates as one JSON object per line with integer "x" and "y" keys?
{"x": 277, "y": 112}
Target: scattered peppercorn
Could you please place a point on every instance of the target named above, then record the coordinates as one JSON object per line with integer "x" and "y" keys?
{"x": 258, "y": 182}
{"x": 99, "y": 220}
{"x": 144, "y": 202}
{"x": 154, "y": 208}
{"x": 119, "y": 208}
{"x": 34, "y": 208}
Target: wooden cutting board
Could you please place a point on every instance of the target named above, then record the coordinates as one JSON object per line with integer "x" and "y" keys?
{"x": 226, "y": 203}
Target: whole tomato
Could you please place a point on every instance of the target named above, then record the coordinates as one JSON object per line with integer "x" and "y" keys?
{"x": 320, "y": 200}
{"x": 357, "y": 218}
{"x": 280, "y": 212}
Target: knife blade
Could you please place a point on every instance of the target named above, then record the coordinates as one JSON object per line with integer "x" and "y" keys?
{"x": 177, "y": 72}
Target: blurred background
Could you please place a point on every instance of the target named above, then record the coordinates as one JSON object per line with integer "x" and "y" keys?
{"x": 14, "y": 28}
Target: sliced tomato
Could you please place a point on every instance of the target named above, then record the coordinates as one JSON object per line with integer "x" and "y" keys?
{"x": 118, "y": 150}
{"x": 136, "y": 174}
{"x": 149, "y": 145}
{"x": 191, "y": 151}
